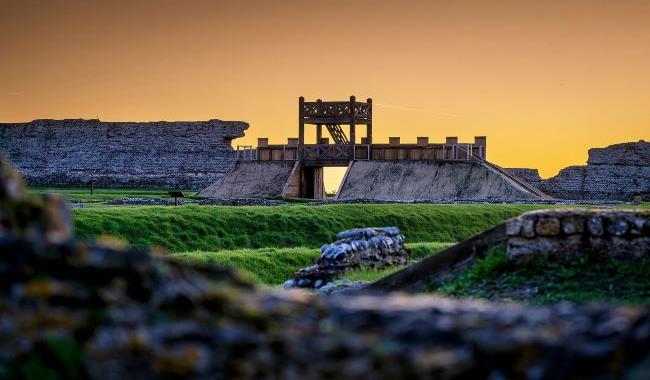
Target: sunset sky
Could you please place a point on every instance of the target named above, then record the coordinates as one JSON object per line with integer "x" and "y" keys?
{"x": 543, "y": 80}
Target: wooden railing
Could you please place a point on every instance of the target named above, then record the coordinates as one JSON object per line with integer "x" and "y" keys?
{"x": 432, "y": 152}
{"x": 246, "y": 153}
{"x": 342, "y": 152}
{"x": 336, "y": 110}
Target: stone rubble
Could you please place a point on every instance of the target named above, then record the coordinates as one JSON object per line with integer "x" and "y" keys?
{"x": 88, "y": 311}
{"x": 147, "y": 202}
{"x": 202, "y": 202}
{"x": 470, "y": 201}
{"x": 566, "y": 232}
{"x": 358, "y": 248}
{"x": 242, "y": 202}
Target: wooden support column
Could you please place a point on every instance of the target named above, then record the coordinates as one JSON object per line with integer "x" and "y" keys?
{"x": 301, "y": 126}
{"x": 369, "y": 126}
{"x": 353, "y": 123}
{"x": 319, "y": 183}
{"x": 319, "y": 128}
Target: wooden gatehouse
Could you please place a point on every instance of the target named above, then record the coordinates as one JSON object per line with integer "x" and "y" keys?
{"x": 341, "y": 120}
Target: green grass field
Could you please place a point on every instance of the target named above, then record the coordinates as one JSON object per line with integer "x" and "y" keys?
{"x": 588, "y": 278}
{"x": 272, "y": 242}
{"x": 213, "y": 228}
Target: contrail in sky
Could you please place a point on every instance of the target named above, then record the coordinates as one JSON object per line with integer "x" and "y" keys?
{"x": 422, "y": 110}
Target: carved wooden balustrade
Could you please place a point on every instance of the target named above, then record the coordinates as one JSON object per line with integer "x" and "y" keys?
{"x": 336, "y": 112}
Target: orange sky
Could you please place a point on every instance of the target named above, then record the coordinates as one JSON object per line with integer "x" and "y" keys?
{"x": 543, "y": 80}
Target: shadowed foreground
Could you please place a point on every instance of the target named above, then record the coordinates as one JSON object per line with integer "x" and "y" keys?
{"x": 77, "y": 310}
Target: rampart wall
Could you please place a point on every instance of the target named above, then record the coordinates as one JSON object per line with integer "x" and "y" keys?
{"x": 72, "y": 152}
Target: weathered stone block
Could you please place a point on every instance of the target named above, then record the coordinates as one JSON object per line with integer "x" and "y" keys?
{"x": 547, "y": 226}
{"x": 637, "y": 226}
{"x": 595, "y": 226}
{"x": 528, "y": 227}
{"x": 524, "y": 250}
{"x": 513, "y": 226}
{"x": 617, "y": 227}
{"x": 621, "y": 248}
{"x": 573, "y": 225}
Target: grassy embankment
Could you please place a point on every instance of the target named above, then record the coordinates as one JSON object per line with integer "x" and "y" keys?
{"x": 272, "y": 242}
{"x": 590, "y": 277}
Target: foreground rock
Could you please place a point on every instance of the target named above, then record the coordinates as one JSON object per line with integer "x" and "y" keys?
{"x": 80, "y": 310}
{"x": 359, "y": 248}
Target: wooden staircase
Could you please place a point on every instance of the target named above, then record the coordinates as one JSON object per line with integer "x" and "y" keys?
{"x": 337, "y": 133}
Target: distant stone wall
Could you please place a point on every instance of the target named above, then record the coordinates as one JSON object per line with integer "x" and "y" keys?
{"x": 617, "y": 172}
{"x": 571, "y": 232}
{"x": 181, "y": 154}
{"x": 529, "y": 175}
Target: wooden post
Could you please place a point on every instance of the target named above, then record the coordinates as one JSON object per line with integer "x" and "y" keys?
{"x": 353, "y": 123}
{"x": 301, "y": 126}
{"x": 369, "y": 128}
{"x": 319, "y": 128}
{"x": 92, "y": 187}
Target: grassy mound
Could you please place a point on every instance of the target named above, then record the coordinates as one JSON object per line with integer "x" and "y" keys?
{"x": 591, "y": 277}
{"x": 273, "y": 266}
{"x": 214, "y": 228}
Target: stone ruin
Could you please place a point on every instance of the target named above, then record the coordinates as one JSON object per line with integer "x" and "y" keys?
{"x": 358, "y": 248}
{"x": 617, "y": 172}
{"x": 90, "y": 310}
{"x": 571, "y": 232}
{"x": 161, "y": 154}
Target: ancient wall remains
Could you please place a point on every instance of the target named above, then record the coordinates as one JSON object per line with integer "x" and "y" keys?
{"x": 617, "y": 172}
{"x": 571, "y": 232}
{"x": 358, "y": 248}
{"x": 182, "y": 154}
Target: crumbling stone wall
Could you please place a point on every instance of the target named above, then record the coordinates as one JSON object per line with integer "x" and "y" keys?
{"x": 617, "y": 172}
{"x": 96, "y": 311}
{"x": 188, "y": 155}
{"x": 358, "y": 248}
{"x": 571, "y": 232}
